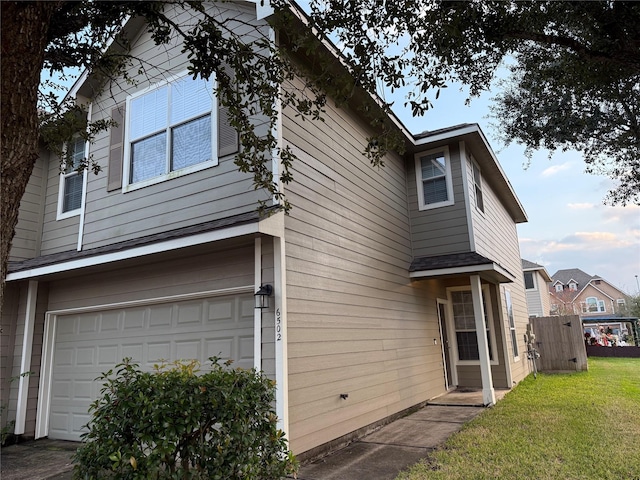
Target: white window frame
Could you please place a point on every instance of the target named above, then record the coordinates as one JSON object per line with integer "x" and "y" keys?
{"x": 600, "y": 305}
{"x": 419, "y": 181}
{"x": 64, "y": 175}
{"x": 533, "y": 280}
{"x": 169, "y": 174}
{"x": 512, "y": 324}
{"x": 488, "y": 321}
{"x": 559, "y": 287}
{"x": 478, "y": 191}
{"x": 573, "y": 287}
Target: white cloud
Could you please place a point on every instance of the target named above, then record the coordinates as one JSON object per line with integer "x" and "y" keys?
{"x": 548, "y": 172}
{"x": 580, "y": 206}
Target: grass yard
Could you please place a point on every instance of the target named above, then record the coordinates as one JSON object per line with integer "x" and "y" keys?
{"x": 564, "y": 426}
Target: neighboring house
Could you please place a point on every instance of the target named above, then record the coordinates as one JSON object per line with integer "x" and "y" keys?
{"x": 536, "y": 285}
{"x": 576, "y": 292}
{"x": 381, "y": 278}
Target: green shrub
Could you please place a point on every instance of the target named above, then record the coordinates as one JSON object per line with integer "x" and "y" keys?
{"x": 179, "y": 424}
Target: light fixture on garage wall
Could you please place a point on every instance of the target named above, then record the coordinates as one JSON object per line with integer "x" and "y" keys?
{"x": 262, "y": 296}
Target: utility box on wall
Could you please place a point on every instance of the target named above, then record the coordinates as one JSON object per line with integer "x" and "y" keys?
{"x": 560, "y": 342}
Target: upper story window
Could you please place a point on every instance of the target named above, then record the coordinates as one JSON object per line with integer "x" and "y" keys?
{"x": 559, "y": 287}
{"x": 71, "y": 180}
{"x": 433, "y": 175}
{"x": 573, "y": 286}
{"x": 170, "y": 131}
{"x": 477, "y": 184}
{"x": 593, "y": 305}
{"x": 529, "y": 282}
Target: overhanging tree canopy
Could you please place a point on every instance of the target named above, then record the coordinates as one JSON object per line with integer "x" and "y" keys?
{"x": 575, "y": 74}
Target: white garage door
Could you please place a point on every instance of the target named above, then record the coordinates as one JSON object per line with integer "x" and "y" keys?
{"x": 88, "y": 344}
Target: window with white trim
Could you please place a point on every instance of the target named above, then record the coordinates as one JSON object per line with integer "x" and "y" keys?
{"x": 171, "y": 129}
{"x": 433, "y": 175}
{"x": 477, "y": 185}
{"x": 512, "y": 323}
{"x": 72, "y": 180}
{"x": 593, "y": 305}
{"x": 465, "y": 325}
{"x": 573, "y": 287}
{"x": 559, "y": 287}
{"x": 529, "y": 281}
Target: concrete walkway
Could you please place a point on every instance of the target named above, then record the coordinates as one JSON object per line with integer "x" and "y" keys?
{"x": 383, "y": 454}
{"x": 380, "y": 455}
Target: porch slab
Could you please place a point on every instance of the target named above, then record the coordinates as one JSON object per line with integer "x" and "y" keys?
{"x": 465, "y": 398}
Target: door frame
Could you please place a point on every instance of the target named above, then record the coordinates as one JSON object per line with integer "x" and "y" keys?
{"x": 443, "y": 308}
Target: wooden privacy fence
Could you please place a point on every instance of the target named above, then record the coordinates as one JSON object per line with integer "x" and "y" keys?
{"x": 560, "y": 342}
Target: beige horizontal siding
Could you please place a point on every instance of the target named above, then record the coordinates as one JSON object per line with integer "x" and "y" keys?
{"x": 28, "y": 231}
{"x": 157, "y": 277}
{"x": 496, "y": 237}
{"x": 356, "y": 323}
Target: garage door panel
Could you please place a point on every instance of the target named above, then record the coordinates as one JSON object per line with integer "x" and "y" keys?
{"x": 109, "y": 322}
{"x": 134, "y": 319}
{"x": 108, "y": 355}
{"x": 88, "y": 345}
{"x": 189, "y": 314}
{"x": 87, "y": 324}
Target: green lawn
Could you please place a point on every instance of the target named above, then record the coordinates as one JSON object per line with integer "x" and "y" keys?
{"x": 565, "y": 426}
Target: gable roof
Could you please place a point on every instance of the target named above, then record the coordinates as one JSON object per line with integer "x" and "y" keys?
{"x": 528, "y": 266}
{"x": 575, "y": 274}
{"x": 492, "y": 171}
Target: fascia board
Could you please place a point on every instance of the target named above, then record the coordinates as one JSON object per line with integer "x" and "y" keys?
{"x": 466, "y": 270}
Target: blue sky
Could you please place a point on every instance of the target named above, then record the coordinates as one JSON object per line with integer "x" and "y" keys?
{"x": 569, "y": 226}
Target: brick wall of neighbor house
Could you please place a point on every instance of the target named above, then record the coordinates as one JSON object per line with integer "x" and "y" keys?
{"x": 496, "y": 237}
{"x": 605, "y": 292}
{"x": 356, "y": 324}
{"x": 26, "y": 242}
{"x": 114, "y": 216}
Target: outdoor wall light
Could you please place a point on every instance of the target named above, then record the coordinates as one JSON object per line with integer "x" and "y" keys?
{"x": 262, "y": 296}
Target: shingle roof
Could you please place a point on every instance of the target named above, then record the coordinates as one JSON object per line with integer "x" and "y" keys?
{"x": 449, "y": 261}
{"x": 45, "y": 260}
{"x": 527, "y": 265}
{"x": 565, "y": 276}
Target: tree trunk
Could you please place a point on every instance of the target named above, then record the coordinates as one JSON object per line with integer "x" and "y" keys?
{"x": 24, "y": 34}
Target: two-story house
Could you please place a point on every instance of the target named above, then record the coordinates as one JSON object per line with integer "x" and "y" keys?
{"x": 389, "y": 285}
{"x": 536, "y": 284}
{"x": 573, "y": 291}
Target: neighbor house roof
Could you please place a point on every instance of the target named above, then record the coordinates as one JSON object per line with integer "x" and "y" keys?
{"x": 566, "y": 276}
{"x": 528, "y": 266}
